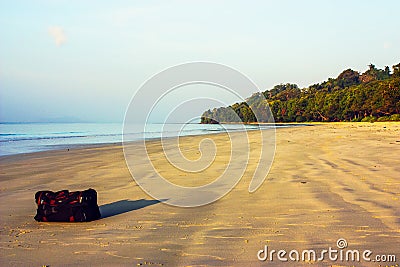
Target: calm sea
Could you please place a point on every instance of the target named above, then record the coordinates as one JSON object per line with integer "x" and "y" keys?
{"x": 18, "y": 138}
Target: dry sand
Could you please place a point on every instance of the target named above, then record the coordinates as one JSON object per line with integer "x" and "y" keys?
{"x": 328, "y": 181}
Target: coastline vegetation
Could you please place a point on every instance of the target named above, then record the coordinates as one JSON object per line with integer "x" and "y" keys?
{"x": 370, "y": 96}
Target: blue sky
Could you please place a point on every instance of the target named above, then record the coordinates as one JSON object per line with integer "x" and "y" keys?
{"x": 85, "y": 59}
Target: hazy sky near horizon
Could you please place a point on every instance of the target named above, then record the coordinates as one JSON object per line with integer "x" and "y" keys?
{"x": 85, "y": 59}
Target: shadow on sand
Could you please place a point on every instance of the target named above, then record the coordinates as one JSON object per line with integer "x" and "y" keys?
{"x": 123, "y": 206}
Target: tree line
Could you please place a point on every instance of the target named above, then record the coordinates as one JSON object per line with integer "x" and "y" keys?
{"x": 370, "y": 96}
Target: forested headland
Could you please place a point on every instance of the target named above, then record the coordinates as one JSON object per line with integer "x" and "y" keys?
{"x": 353, "y": 96}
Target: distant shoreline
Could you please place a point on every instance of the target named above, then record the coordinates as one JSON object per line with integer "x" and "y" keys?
{"x": 73, "y": 146}
{"x": 77, "y": 139}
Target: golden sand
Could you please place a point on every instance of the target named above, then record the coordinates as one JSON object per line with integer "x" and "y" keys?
{"x": 328, "y": 181}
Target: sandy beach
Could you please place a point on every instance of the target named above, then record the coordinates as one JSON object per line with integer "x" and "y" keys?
{"x": 328, "y": 181}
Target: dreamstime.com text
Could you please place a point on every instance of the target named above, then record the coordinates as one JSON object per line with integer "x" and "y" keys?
{"x": 338, "y": 253}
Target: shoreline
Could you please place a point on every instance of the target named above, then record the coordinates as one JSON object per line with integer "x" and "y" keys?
{"x": 62, "y": 147}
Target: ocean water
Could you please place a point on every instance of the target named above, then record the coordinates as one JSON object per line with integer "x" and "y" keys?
{"x": 16, "y": 138}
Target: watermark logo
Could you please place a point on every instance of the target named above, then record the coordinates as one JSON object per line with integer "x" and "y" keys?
{"x": 182, "y": 86}
{"x": 341, "y": 243}
{"x": 340, "y": 253}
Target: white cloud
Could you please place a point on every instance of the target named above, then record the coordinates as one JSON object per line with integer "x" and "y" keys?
{"x": 58, "y": 35}
{"x": 387, "y": 45}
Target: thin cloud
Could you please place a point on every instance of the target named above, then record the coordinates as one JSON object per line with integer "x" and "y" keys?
{"x": 58, "y": 35}
{"x": 387, "y": 45}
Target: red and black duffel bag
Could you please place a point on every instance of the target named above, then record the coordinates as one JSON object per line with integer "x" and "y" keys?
{"x": 65, "y": 206}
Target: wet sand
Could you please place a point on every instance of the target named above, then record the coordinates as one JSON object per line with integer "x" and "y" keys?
{"x": 328, "y": 181}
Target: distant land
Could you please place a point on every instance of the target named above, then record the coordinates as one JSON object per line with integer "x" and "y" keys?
{"x": 370, "y": 96}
